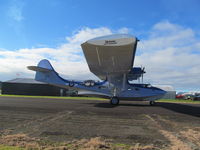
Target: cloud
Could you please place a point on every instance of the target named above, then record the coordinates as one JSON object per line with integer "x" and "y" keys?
{"x": 15, "y": 18}
{"x": 124, "y": 30}
{"x": 170, "y": 54}
{"x": 88, "y": 33}
{"x": 165, "y": 34}
{"x": 15, "y": 10}
{"x": 67, "y": 58}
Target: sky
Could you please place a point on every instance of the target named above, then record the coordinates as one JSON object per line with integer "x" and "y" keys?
{"x": 169, "y": 33}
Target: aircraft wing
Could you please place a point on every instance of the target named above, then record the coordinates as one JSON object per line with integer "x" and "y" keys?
{"x": 110, "y": 55}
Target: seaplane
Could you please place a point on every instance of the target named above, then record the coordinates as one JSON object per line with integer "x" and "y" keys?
{"x": 111, "y": 59}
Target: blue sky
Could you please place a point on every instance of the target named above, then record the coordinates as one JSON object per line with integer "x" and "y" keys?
{"x": 32, "y": 30}
{"x": 48, "y": 22}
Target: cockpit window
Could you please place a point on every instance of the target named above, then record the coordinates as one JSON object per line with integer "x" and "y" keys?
{"x": 149, "y": 85}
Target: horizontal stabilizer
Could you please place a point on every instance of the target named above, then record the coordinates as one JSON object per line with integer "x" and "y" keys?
{"x": 43, "y": 66}
{"x": 40, "y": 69}
{"x": 46, "y": 73}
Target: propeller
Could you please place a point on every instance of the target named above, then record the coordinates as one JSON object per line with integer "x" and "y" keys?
{"x": 142, "y": 75}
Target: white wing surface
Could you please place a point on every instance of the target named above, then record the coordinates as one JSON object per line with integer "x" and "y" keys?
{"x": 110, "y": 55}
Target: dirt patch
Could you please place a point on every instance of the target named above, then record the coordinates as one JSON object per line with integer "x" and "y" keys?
{"x": 20, "y": 140}
{"x": 180, "y": 139}
{"x": 193, "y": 135}
{"x": 176, "y": 143}
{"x": 24, "y": 141}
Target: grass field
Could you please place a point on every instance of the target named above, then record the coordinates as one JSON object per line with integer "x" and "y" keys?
{"x": 178, "y": 101}
{"x": 96, "y": 98}
{"x": 58, "y": 97}
{"x": 2, "y": 147}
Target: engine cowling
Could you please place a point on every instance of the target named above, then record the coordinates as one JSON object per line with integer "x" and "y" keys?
{"x": 89, "y": 83}
{"x": 135, "y": 73}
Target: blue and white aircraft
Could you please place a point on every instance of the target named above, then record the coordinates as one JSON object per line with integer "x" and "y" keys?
{"x": 111, "y": 59}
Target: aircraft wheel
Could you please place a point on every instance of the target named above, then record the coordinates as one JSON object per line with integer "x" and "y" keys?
{"x": 152, "y": 103}
{"x": 71, "y": 83}
{"x": 114, "y": 101}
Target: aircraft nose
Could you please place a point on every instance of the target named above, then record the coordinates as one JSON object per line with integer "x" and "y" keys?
{"x": 160, "y": 91}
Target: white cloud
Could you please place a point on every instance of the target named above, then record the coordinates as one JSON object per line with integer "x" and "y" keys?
{"x": 170, "y": 55}
{"x": 88, "y": 33}
{"x": 15, "y": 17}
{"x": 165, "y": 34}
{"x": 67, "y": 58}
{"x": 167, "y": 26}
{"x": 124, "y": 30}
{"x": 15, "y": 10}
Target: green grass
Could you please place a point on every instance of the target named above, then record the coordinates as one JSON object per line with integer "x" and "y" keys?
{"x": 57, "y": 97}
{"x": 124, "y": 146}
{"x": 178, "y": 101}
{"x": 96, "y": 98}
{"x": 2, "y": 147}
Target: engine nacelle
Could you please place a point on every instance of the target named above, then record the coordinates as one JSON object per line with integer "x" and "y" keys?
{"x": 135, "y": 73}
{"x": 89, "y": 83}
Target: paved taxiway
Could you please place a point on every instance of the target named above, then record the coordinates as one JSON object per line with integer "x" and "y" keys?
{"x": 130, "y": 122}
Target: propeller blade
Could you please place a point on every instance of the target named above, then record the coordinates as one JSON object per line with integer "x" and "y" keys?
{"x": 142, "y": 77}
{"x": 143, "y": 73}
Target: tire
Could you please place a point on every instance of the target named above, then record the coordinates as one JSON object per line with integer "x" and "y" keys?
{"x": 71, "y": 83}
{"x": 114, "y": 101}
{"x": 152, "y": 103}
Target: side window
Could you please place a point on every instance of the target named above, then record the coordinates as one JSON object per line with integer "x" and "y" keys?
{"x": 137, "y": 89}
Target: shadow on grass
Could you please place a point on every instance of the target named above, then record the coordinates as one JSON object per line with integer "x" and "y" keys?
{"x": 108, "y": 105}
{"x": 105, "y": 105}
{"x": 188, "y": 109}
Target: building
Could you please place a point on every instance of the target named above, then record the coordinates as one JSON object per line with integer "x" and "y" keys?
{"x": 0, "y": 86}
{"x": 171, "y": 93}
{"x": 25, "y": 86}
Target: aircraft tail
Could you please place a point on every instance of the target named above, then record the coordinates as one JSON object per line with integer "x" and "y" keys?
{"x": 46, "y": 73}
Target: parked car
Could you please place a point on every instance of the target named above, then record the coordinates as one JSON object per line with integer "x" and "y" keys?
{"x": 189, "y": 97}
{"x": 179, "y": 96}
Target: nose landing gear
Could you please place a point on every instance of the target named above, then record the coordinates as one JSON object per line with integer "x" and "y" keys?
{"x": 152, "y": 103}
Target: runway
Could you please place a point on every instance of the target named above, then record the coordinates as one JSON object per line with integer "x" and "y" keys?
{"x": 130, "y": 122}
